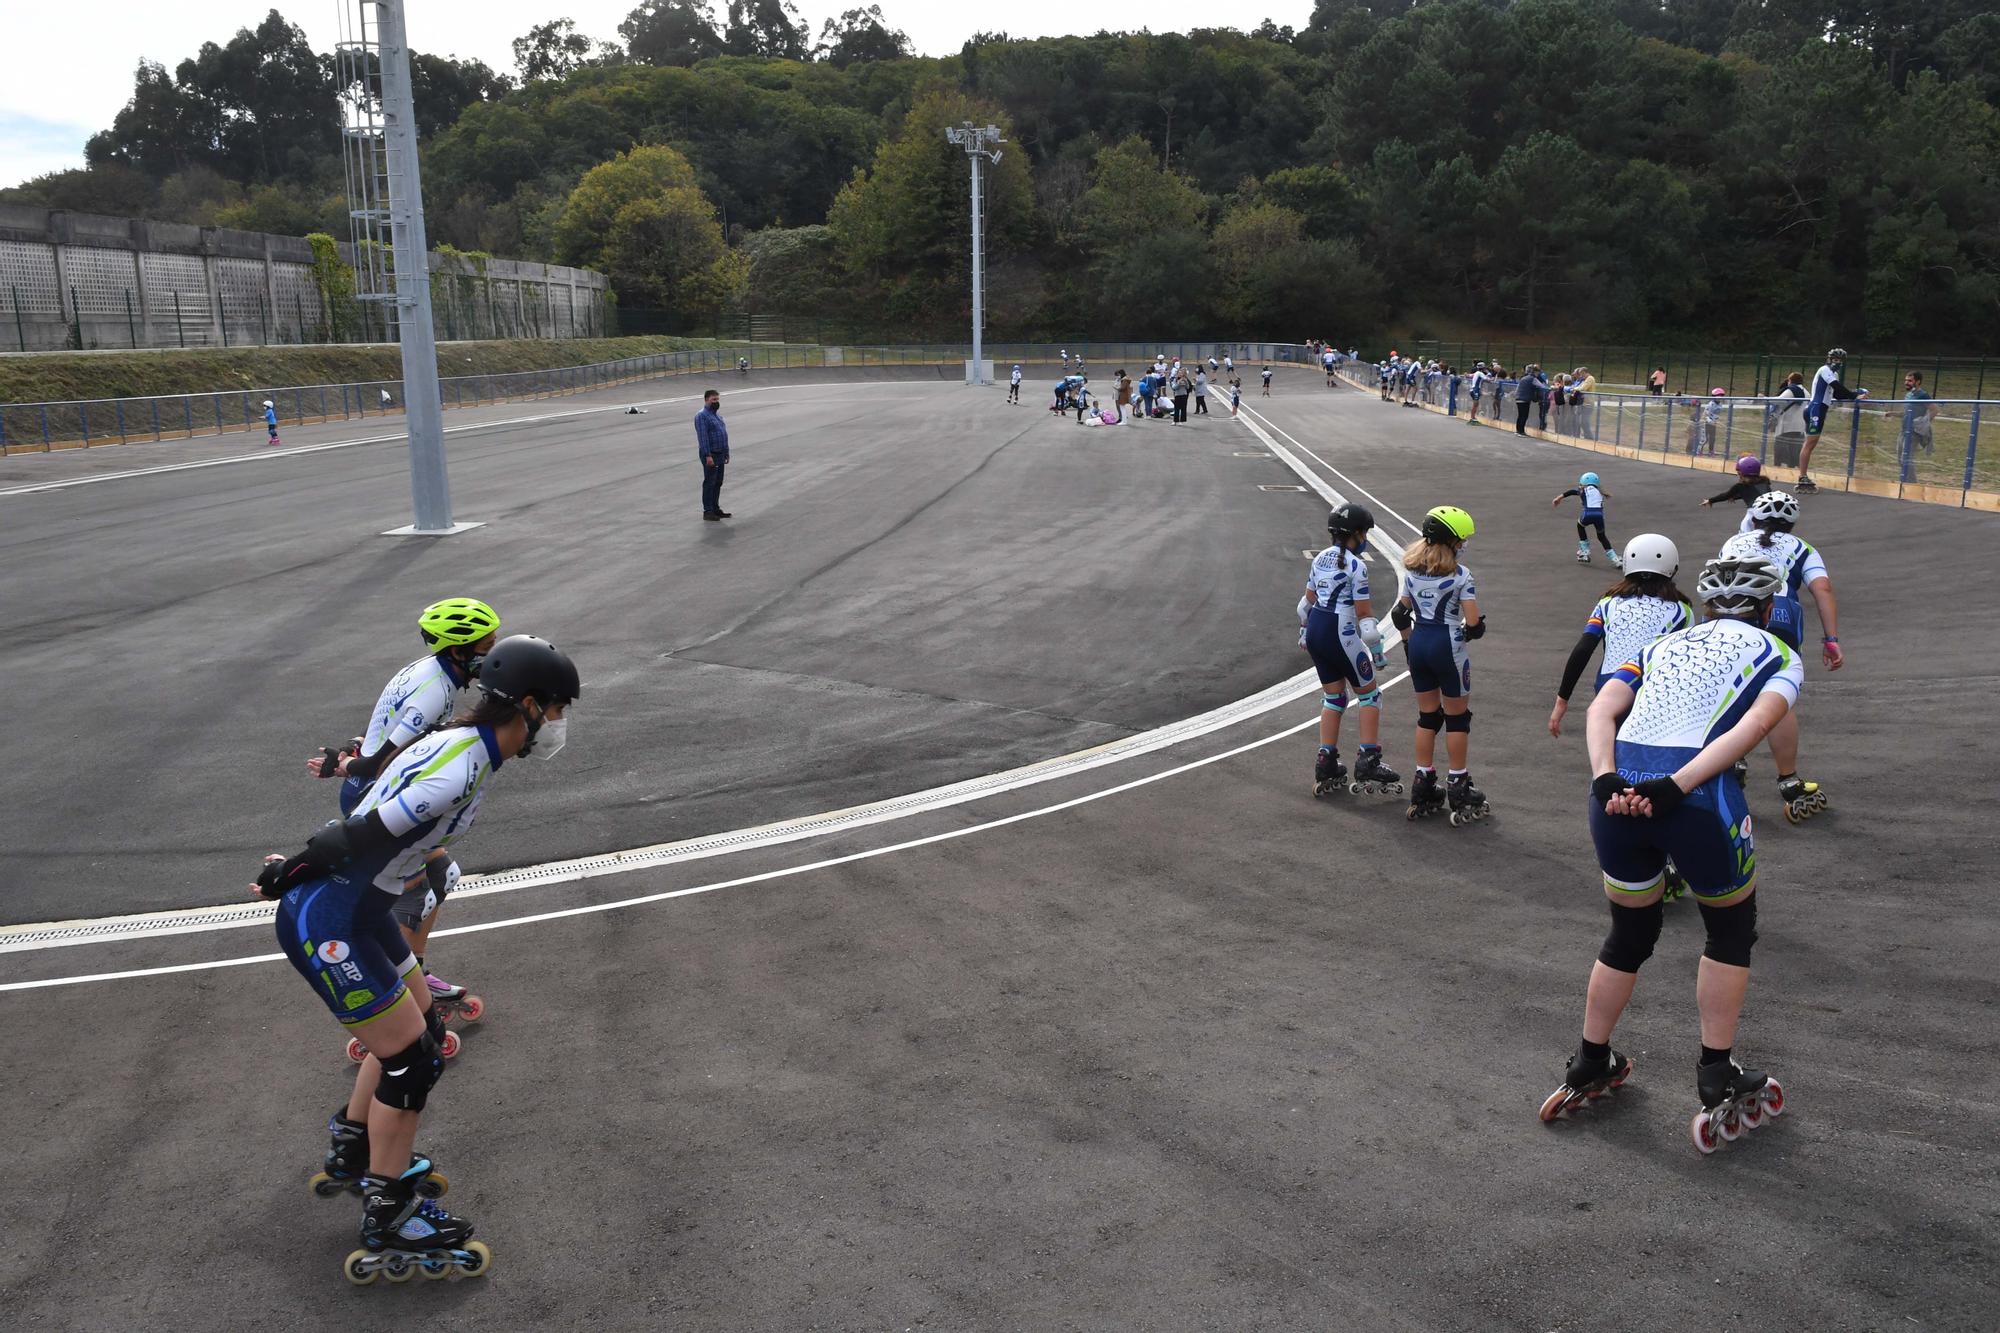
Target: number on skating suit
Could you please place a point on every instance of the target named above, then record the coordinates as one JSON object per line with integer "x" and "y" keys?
{"x": 471, "y": 1259}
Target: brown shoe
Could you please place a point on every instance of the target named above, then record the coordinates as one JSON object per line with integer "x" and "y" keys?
{"x": 711, "y": 518}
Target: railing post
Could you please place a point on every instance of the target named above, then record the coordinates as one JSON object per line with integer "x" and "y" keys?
{"x": 45, "y": 427}
{"x": 187, "y": 410}
{"x": 118, "y": 404}
{"x": 20, "y": 329}
{"x": 1971, "y": 452}
{"x": 156, "y": 419}
{"x": 131, "y": 324}
{"x": 83, "y": 422}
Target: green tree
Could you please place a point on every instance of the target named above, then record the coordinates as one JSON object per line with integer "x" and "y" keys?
{"x": 768, "y": 28}
{"x": 904, "y": 225}
{"x": 667, "y": 251}
{"x": 443, "y": 86}
{"x": 860, "y": 35}
{"x": 670, "y": 32}
{"x": 552, "y": 50}
{"x": 584, "y": 227}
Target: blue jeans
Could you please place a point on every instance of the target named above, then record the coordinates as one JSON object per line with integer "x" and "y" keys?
{"x": 711, "y": 486}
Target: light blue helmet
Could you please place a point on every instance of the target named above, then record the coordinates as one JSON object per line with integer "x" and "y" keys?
{"x": 1587, "y": 479}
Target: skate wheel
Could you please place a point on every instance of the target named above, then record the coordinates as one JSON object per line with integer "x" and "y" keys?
{"x": 480, "y": 1256}
{"x": 1356, "y": 788}
{"x": 435, "y": 1268}
{"x": 325, "y": 1186}
{"x": 1751, "y": 1116}
{"x": 1456, "y": 822}
{"x": 399, "y": 1268}
{"x": 355, "y": 1050}
{"x": 475, "y": 1008}
{"x": 1727, "y": 1127}
{"x": 1773, "y": 1098}
{"x": 1559, "y": 1105}
{"x": 1394, "y": 789}
{"x": 1792, "y": 815}
{"x": 434, "y": 1186}
{"x": 1705, "y": 1141}
{"x": 449, "y": 1046}
{"x": 359, "y": 1271}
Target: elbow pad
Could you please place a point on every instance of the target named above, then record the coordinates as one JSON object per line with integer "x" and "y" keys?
{"x": 1401, "y": 617}
{"x": 1477, "y": 631}
{"x": 1371, "y": 633}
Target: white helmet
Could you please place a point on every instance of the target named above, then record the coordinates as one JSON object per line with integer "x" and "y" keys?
{"x": 1650, "y": 553}
{"x": 1775, "y": 506}
{"x": 1735, "y": 586}
{"x": 269, "y": 403}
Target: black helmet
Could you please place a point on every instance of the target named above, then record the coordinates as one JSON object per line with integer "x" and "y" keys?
{"x": 1349, "y": 520}
{"x": 522, "y": 665}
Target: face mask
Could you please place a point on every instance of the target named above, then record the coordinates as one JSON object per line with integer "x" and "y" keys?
{"x": 552, "y": 736}
{"x": 472, "y": 664}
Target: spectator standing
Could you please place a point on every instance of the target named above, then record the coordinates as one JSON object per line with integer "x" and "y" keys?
{"x": 1124, "y": 399}
{"x": 1582, "y": 385}
{"x": 1790, "y": 427}
{"x": 1526, "y": 393}
{"x": 1657, "y": 381}
{"x": 1200, "y": 392}
{"x": 1180, "y": 387}
{"x": 1544, "y": 394}
{"x": 1451, "y": 400}
{"x": 712, "y": 444}
{"x": 1917, "y": 416}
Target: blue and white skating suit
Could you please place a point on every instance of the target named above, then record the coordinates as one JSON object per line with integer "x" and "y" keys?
{"x": 1593, "y": 500}
{"x": 1627, "y": 624}
{"x": 416, "y": 699}
{"x": 1338, "y": 580}
{"x": 1692, "y": 686}
{"x": 1801, "y": 565}
{"x": 1437, "y": 640}
{"x": 339, "y": 931}
{"x": 1826, "y": 389}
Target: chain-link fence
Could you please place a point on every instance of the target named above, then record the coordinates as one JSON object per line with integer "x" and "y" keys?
{"x": 1744, "y": 374}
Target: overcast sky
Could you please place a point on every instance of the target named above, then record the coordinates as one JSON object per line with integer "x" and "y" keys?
{"x": 65, "y": 73}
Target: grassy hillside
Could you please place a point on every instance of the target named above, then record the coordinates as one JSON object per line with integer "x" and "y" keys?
{"x": 61, "y": 376}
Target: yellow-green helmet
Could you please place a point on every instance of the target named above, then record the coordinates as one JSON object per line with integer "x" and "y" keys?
{"x": 456, "y": 621}
{"x": 1447, "y": 523}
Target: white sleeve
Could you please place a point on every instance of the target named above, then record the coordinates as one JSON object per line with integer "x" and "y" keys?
{"x": 1814, "y": 568}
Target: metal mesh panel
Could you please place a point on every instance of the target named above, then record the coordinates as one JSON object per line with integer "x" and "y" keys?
{"x": 28, "y": 271}
{"x": 242, "y": 288}
{"x": 101, "y": 279}
{"x": 171, "y": 278}
{"x": 298, "y": 312}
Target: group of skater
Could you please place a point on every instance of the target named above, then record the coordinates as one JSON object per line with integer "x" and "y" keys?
{"x": 1168, "y": 390}
{"x": 1687, "y": 688}
{"x": 357, "y": 905}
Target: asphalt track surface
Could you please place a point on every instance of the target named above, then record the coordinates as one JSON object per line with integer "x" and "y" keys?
{"x": 1200, "y": 1052}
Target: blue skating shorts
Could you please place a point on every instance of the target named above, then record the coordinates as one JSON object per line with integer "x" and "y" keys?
{"x": 1815, "y": 420}
{"x": 341, "y": 938}
{"x": 1708, "y": 837}
{"x": 1438, "y": 661}
{"x": 1338, "y": 659}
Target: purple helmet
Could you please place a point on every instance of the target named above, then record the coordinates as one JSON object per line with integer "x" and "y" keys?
{"x": 1748, "y": 466}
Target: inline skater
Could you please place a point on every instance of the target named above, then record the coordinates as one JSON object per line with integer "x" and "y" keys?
{"x": 1267, "y": 381}
{"x": 1591, "y": 495}
{"x": 1014, "y": 385}
{"x": 1826, "y": 389}
{"x": 1337, "y": 626}
{"x": 459, "y": 632}
{"x": 1439, "y": 613}
{"x": 1663, "y": 731}
{"x": 335, "y": 924}
{"x": 1634, "y": 611}
{"x": 1771, "y": 538}
{"x": 271, "y": 421}
{"x": 1749, "y": 485}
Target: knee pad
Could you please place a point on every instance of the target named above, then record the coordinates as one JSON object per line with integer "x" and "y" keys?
{"x": 1372, "y": 699}
{"x": 1333, "y": 703}
{"x": 1634, "y": 932}
{"x": 442, "y": 876}
{"x": 1431, "y": 721}
{"x": 409, "y": 1074}
{"x": 1731, "y": 932}
{"x": 1459, "y": 721}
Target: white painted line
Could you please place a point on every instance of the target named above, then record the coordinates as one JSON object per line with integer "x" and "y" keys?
{"x": 231, "y": 916}
{"x": 592, "y": 909}
{"x": 469, "y": 426}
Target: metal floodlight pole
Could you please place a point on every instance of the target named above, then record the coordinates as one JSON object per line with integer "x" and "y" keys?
{"x": 975, "y": 140}
{"x": 430, "y": 491}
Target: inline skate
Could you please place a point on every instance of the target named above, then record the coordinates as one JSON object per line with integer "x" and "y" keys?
{"x": 347, "y": 1163}
{"x": 1328, "y": 772}
{"x": 1426, "y": 797}
{"x": 1584, "y": 1082}
{"x": 1582, "y": 553}
{"x": 1734, "y": 1101}
{"x": 1467, "y": 802}
{"x": 450, "y": 1001}
{"x": 1806, "y": 486}
{"x": 1802, "y": 799}
{"x": 404, "y": 1234}
{"x": 1617, "y": 560}
{"x": 1373, "y": 776}
{"x": 448, "y": 1044}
